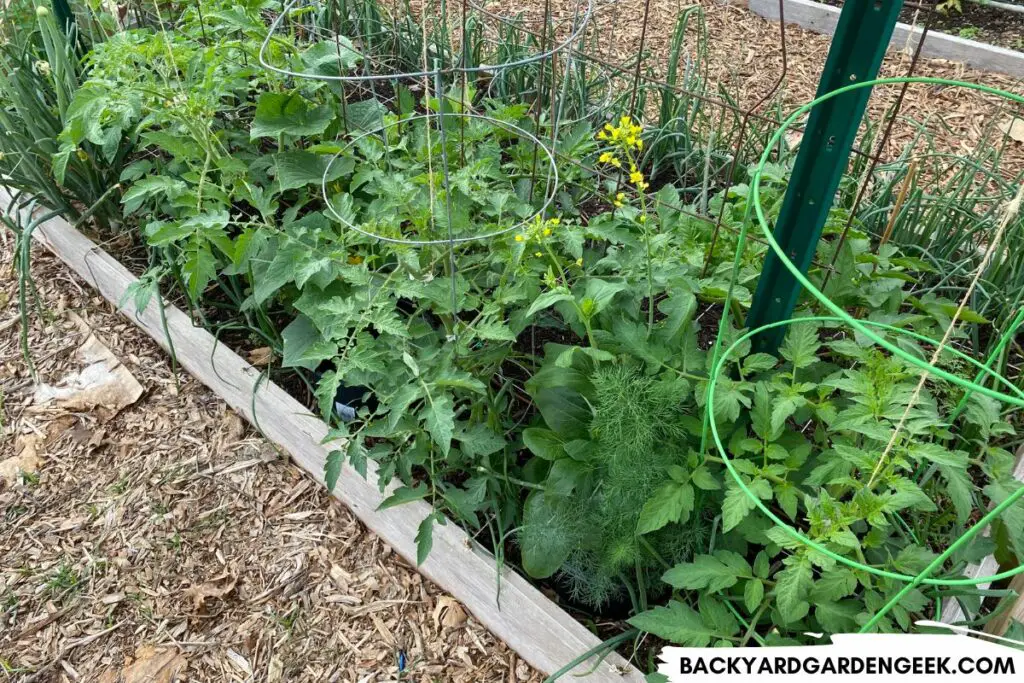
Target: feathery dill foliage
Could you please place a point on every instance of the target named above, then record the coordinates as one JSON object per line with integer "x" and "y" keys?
{"x": 636, "y": 435}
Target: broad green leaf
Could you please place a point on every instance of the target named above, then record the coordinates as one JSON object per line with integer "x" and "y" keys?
{"x": 678, "y": 308}
{"x": 761, "y": 413}
{"x": 716, "y": 616}
{"x": 1012, "y": 517}
{"x": 730, "y": 398}
{"x": 759, "y": 362}
{"x": 278, "y": 113}
{"x": 960, "y": 489}
{"x": 753, "y": 594}
{"x": 704, "y": 480}
{"x": 331, "y": 57}
{"x": 546, "y": 538}
{"x": 548, "y": 299}
{"x": 704, "y": 572}
{"x": 601, "y": 292}
{"x": 438, "y": 415}
{"x": 543, "y": 443}
{"x": 304, "y": 346}
{"x": 786, "y": 496}
{"x": 404, "y": 494}
{"x": 675, "y": 622}
{"x": 801, "y": 345}
{"x": 565, "y": 476}
{"x": 792, "y": 586}
{"x": 298, "y": 168}
{"x": 425, "y": 537}
{"x": 838, "y": 617}
{"x": 459, "y": 379}
{"x": 326, "y": 391}
{"x": 782, "y": 409}
{"x": 565, "y": 411}
{"x": 199, "y": 269}
{"x": 332, "y": 468}
{"x": 479, "y": 439}
{"x": 400, "y": 402}
{"x": 365, "y": 115}
{"x": 738, "y": 504}
{"x": 357, "y": 455}
{"x": 494, "y": 330}
{"x": 833, "y": 585}
{"x": 934, "y": 453}
{"x": 280, "y": 271}
{"x": 673, "y": 502}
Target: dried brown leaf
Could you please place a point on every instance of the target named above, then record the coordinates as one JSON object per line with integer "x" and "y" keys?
{"x": 448, "y": 613}
{"x": 101, "y": 382}
{"x": 1014, "y": 128}
{"x": 150, "y": 665}
{"x": 218, "y": 587}
{"x": 27, "y": 460}
{"x": 261, "y": 356}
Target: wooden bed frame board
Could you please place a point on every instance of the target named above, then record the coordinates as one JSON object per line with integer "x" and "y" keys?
{"x": 989, "y": 566}
{"x": 821, "y": 18}
{"x": 538, "y": 630}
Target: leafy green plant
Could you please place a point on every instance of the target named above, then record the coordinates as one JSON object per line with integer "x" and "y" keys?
{"x": 534, "y": 360}
{"x": 39, "y": 81}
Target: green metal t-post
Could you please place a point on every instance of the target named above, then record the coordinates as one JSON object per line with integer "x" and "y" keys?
{"x": 861, "y": 38}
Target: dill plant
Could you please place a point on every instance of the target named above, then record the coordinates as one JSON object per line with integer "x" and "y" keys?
{"x": 636, "y": 437}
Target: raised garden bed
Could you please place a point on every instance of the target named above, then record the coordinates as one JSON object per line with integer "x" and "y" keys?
{"x": 473, "y": 310}
{"x": 822, "y": 18}
{"x": 537, "y": 629}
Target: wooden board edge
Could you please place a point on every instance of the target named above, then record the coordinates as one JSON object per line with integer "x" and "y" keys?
{"x": 539, "y": 631}
{"x": 821, "y": 18}
{"x": 989, "y": 566}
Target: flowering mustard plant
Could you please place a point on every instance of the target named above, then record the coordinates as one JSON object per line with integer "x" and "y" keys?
{"x": 625, "y": 146}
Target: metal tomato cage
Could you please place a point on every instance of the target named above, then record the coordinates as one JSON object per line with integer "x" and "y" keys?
{"x": 829, "y": 139}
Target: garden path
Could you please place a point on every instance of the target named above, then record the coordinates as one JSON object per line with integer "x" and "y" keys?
{"x": 170, "y": 533}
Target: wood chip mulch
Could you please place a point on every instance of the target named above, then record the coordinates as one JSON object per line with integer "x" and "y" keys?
{"x": 170, "y": 542}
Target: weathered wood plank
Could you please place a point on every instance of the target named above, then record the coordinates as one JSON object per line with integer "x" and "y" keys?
{"x": 821, "y": 18}
{"x": 951, "y": 611}
{"x": 537, "y": 629}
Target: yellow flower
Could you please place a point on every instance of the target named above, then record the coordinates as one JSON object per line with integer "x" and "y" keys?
{"x": 618, "y": 204}
{"x": 355, "y": 259}
{"x": 643, "y": 218}
{"x": 639, "y": 143}
{"x": 625, "y": 121}
{"x": 620, "y": 196}
{"x": 608, "y": 127}
{"x": 602, "y": 135}
{"x": 579, "y": 262}
{"x": 605, "y": 158}
{"x": 519, "y": 238}
{"x": 537, "y": 254}
{"x": 547, "y": 232}
{"x": 631, "y": 141}
{"x": 616, "y": 163}
{"x": 555, "y": 221}
{"x": 636, "y": 177}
